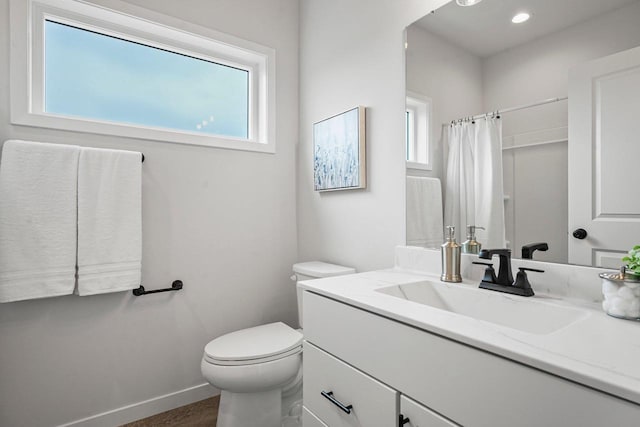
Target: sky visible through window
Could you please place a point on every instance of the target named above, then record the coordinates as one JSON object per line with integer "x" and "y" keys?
{"x": 100, "y": 77}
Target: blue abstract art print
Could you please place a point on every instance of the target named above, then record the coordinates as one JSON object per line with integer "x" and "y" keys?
{"x": 339, "y": 151}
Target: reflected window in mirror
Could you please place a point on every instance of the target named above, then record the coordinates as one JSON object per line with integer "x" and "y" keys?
{"x": 418, "y": 131}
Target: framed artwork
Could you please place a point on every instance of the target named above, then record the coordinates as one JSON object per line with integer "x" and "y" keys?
{"x": 339, "y": 152}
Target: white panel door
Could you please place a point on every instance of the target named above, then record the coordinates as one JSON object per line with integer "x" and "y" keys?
{"x": 604, "y": 154}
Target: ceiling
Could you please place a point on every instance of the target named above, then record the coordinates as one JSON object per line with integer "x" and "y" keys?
{"x": 486, "y": 28}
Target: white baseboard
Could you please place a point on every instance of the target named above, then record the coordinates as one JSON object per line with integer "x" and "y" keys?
{"x": 147, "y": 408}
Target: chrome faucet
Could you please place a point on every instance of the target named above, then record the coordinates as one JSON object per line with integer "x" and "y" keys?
{"x": 504, "y": 282}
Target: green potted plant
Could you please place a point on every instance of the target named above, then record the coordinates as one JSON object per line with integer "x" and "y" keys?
{"x": 633, "y": 261}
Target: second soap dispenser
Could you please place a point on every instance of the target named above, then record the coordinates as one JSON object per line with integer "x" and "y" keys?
{"x": 471, "y": 245}
{"x": 450, "y": 251}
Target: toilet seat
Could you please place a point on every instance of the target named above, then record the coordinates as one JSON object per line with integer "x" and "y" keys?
{"x": 260, "y": 344}
{"x": 291, "y": 352}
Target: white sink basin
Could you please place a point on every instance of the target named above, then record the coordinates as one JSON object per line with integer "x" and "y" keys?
{"x": 522, "y": 313}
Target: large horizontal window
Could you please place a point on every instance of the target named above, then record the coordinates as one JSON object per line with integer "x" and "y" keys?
{"x": 100, "y": 77}
{"x": 113, "y": 72}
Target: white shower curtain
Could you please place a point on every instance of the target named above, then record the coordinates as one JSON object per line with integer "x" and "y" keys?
{"x": 474, "y": 190}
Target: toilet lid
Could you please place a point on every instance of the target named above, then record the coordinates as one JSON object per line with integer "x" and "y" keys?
{"x": 263, "y": 341}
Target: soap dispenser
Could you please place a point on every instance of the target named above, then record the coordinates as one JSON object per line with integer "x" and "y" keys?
{"x": 450, "y": 251}
{"x": 471, "y": 245}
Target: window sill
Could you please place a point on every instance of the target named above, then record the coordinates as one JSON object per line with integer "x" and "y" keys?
{"x": 419, "y": 166}
{"x": 139, "y": 132}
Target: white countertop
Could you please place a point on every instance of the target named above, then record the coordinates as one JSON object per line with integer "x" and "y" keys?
{"x": 597, "y": 350}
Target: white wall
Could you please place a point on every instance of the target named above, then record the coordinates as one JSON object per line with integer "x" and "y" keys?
{"x": 536, "y": 178}
{"x": 451, "y": 77}
{"x": 223, "y": 221}
{"x": 539, "y": 69}
{"x": 351, "y": 52}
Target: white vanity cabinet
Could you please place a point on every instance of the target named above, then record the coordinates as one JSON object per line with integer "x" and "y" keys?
{"x": 384, "y": 367}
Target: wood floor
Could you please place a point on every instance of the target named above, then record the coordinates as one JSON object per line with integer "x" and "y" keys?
{"x": 199, "y": 414}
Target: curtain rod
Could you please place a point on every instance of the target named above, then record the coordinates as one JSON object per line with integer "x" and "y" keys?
{"x": 508, "y": 110}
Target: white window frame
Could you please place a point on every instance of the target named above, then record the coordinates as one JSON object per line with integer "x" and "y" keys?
{"x": 419, "y": 131}
{"x": 129, "y": 22}
{"x": 410, "y": 124}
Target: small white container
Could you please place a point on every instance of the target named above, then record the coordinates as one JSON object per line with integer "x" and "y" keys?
{"x": 621, "y": 295}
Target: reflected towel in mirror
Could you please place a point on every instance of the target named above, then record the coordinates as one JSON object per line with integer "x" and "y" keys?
{"x": 424, "y": 212}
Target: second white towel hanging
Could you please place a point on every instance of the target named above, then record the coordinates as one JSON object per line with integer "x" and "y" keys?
{"x": 109, "y": 221}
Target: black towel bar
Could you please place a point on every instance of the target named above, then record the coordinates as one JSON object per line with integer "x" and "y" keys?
{"x": 175, "y": 286}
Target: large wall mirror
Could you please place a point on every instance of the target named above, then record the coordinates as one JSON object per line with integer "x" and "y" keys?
{"x": 533, "y": 112}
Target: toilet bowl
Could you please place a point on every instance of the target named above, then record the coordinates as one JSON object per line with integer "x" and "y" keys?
{"x": 259, "y": 370}
{"x": 251, "y": 367}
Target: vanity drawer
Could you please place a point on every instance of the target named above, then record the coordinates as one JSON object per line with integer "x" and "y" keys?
{"x": 421, "y": 416}
{"x": 369, "y": 402}
{"x": 310, "y": 420}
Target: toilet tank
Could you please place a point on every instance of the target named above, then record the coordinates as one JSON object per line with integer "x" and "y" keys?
{"x": 315, "y": 270}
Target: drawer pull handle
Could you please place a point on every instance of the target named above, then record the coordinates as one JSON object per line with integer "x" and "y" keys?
{"x": 329, "y": 395}
{"x": 402, "y": 420}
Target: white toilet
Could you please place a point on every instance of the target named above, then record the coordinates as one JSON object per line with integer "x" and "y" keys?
{"x": 259, "y": 370}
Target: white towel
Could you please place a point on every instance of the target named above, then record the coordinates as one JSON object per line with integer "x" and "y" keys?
{"x": 109, "y": 221}
{"x": 424, "y": 212}
{"x": 38, "y": 187}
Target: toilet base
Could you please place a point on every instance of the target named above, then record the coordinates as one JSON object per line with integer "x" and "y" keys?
{"x": 261, "y": 409}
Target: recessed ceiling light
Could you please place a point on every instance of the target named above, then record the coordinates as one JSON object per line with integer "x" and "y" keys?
{"x": 520, "y": 18}
{"x": 467, "y": 2}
